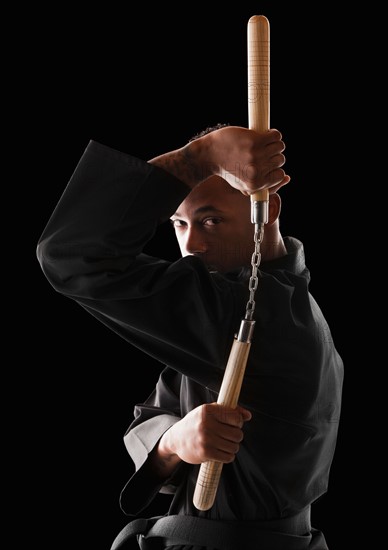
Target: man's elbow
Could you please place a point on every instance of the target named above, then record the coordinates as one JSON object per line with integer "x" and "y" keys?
{"x": 54, "y": 266}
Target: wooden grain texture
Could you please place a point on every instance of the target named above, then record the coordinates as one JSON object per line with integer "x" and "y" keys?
{"x": 258, "y": 80}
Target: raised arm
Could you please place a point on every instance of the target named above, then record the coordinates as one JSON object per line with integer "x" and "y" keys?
{"x": 248, "y": 160}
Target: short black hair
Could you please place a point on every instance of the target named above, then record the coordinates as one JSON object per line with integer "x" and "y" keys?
{"x": 209, "y": 129}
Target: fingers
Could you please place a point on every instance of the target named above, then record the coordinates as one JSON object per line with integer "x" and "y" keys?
{"x": 227, "y": 415}
{"x": 279, "y": 159}
{"x": 274, "y": 147}
{"x": 223, "y": 450}
{"x": 266, "y": 170}
{"x": 227, "y": 424}
{"x": 276, "y": 187}
{"x": 275, "y": 159}
{"x": 273, "y": 135}
{"x": 209, "y": 432}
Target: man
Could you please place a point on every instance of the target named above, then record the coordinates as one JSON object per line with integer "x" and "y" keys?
{"x": 277, "y": 446}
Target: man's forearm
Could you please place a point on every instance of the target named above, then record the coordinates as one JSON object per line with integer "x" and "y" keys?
{"x": 188, "y": 163}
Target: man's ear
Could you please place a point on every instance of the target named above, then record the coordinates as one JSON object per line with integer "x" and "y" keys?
{"x": 274, "y": 208}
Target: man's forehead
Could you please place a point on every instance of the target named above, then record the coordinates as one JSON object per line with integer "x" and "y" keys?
{"x": 195, "y": 211}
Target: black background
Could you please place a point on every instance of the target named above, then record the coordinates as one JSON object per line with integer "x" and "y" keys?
{"x": 144, "y": 80}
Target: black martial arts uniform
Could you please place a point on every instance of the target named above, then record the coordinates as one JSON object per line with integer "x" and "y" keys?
{"x": 177, "y": 312}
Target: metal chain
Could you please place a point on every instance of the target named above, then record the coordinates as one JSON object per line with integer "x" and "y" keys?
{"x": 254, "y": 279}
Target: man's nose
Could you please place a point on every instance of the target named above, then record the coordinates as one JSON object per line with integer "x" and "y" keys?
{"x": 194, "y": 242}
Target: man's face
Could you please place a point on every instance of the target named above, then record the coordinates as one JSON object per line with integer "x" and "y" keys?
{"x": 214, "y": 223}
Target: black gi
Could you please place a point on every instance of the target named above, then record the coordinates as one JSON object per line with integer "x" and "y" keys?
{"x": 177, "y": 312}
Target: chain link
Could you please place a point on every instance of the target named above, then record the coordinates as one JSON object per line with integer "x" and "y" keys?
{"x": 254, "y": 279}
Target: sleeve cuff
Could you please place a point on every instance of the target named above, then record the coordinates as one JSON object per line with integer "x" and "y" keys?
{"x": 141, "y": 489}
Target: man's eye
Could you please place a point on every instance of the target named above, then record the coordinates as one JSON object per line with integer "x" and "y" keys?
{"x": 177, "y": 223}
{"x": 211, "y": 221}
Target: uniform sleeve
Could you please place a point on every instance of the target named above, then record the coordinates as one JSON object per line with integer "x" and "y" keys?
{"x": 92, "y": 252}
{"x": 152, "y": 418}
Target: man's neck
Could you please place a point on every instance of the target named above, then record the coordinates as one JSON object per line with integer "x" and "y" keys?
{"x": 272, "y": 246}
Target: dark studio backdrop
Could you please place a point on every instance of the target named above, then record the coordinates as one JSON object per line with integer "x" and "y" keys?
{"x": 144, "y": 80}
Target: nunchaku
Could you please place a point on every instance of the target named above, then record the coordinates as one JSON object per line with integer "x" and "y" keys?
{"x": 258, "y": 117}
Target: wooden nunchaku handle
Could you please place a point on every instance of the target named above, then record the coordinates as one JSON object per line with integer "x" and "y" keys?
{"x": 258, "y": 81}
{"x": 210, "y": 472}
{"x": 258, "y": 111}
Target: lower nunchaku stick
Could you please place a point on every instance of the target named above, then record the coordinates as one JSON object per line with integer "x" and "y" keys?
{"x": 258, "y": 116}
